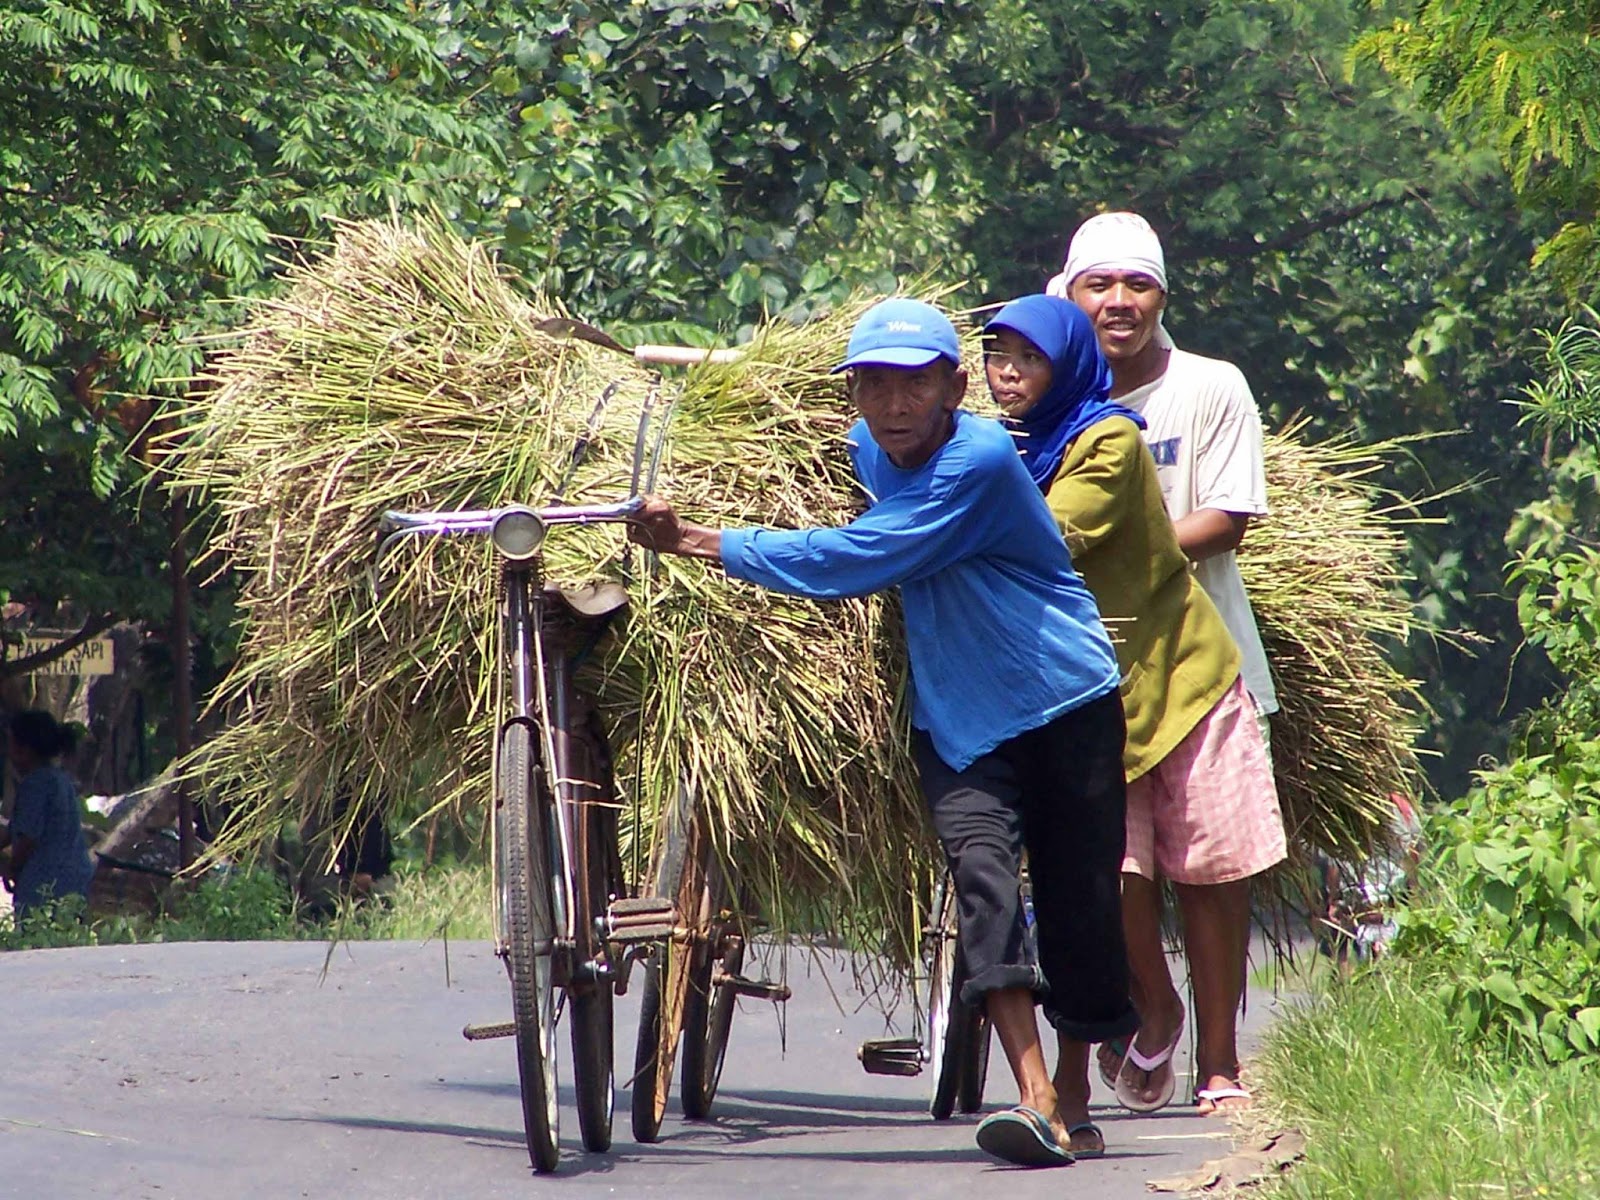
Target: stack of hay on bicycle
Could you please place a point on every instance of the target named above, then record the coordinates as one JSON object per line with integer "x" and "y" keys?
{"x": 401, "y": 371}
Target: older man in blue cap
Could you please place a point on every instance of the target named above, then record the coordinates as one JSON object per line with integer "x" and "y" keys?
{"x": 1017, "y": 721}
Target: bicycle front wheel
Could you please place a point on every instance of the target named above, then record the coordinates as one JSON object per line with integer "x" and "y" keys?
{"x": 522, "y": 847}
{"x": 680, "y": 874}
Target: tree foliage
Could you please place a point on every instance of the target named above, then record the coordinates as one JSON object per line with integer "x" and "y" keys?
{"x": 152, "y": 152}
{"x": 694, "y": 164}
{"x": 1520, "y": 76}
{"x": 675, "y": 168}
{"x": 1509, "y": 920}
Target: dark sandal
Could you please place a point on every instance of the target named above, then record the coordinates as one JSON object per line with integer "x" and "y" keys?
{"x": 1119, "y": 1048}
{"x": 1021, "y": 1136}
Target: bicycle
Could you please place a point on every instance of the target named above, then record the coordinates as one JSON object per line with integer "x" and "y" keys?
{"x": 565, "y": 919}
{"x": 559, "y": 923}
{"x": 692, "y": 980}
{"x": 954, "y": 1044}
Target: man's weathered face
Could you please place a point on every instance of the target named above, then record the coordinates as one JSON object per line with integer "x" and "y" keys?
{"x": 908, "y": 409}
{"x": 1125, "y": 307}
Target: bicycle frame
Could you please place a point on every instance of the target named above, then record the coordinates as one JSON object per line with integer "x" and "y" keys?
{"x": 534, "y": 690}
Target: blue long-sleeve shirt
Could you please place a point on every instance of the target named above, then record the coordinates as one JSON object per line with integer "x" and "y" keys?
{"x": 1002, "y": 634}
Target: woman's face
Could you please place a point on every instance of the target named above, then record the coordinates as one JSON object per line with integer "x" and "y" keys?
{"x": 1018, "y": 371}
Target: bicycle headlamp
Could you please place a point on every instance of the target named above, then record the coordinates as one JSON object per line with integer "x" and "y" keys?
{"x": 517, "y": 533}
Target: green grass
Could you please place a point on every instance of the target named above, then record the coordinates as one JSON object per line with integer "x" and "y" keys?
{"x": 255, "y": 905}
{"x": 420, "y": 905}
{"x": 1395, "y": 1106}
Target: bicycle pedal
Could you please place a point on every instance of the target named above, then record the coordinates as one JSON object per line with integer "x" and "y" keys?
{"x": 891, "y": 1056}
{"x": 492, "y": 1029}
{"x": 756, "y": 989}
{"x": 641, "y": 919}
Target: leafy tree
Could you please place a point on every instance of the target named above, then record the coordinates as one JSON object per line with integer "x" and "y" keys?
{"x": 1321, "y": 230}
{"x": 152, "y": 152}
{"x": 683, "y": 166}
{"x": 675, "y": 168}
{"x": 1508, "y": 921}
{"x": 1519, "y": 75}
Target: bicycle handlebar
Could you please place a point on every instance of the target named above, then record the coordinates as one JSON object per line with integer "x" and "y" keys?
{"x": 395, "y": 525}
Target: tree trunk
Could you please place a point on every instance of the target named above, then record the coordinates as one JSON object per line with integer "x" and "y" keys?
{"x": 183, "y": 674}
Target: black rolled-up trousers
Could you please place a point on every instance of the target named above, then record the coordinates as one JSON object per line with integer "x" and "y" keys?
{"x": 1059, "y": 791}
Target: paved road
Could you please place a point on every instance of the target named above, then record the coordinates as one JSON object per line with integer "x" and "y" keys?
{"x": 210, "y": 1069}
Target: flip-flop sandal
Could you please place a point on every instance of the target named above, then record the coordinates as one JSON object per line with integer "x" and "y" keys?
{"x": 1216, "y": 1095}
{"x": 1118, "y": 1047}
{"x": 1088, "y": 1127}
{"x": 1021, "y": 1136}
{"x": 1128, "y": 1095}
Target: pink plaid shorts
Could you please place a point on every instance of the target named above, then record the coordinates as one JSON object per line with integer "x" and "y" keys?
{"x": 1208, "y": 812}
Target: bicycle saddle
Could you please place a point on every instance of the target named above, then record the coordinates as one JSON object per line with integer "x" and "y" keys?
{"x": 590, "y": 600}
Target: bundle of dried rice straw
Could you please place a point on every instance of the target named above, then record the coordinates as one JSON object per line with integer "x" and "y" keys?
{"x": 402, "y": 371}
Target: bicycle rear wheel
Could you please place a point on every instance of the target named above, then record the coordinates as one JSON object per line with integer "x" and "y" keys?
{"x": 953, "y": 1043}
{"x": 708, "y": 1018}
{"x": 522, "y": 846}
{"x": 590, "y": 1004}
{"x": 969, "y": 1096}
{"x": 680, "y": 874}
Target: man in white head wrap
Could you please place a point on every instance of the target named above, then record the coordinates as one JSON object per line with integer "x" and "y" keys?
{"x": 1204, "y": 431}
{"x": 1203, "y": 425}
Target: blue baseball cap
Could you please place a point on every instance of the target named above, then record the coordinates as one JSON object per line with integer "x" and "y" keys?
{"x": 901, "y": 333}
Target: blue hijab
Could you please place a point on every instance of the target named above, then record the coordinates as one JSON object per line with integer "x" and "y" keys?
{"x": 1080, "y": 381}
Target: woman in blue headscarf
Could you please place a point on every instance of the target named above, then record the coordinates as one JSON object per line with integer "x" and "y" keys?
{"x": 1178, "y": 661}
{"x": 1046, "y": 371}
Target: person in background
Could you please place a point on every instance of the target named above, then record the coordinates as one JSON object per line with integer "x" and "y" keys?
{"x": 1359, "y": 898}
{"x": 1017, "y": 726}
{"x": 1204, "y": 431}
{"x": 1201, "y": 808}
{"x": 49, "y": 855}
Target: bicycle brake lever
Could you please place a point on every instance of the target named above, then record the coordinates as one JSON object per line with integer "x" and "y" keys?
{"x": 639, "y": 437}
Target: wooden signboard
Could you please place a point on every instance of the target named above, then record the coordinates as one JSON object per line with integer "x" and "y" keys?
{"x": 93, "y": 657}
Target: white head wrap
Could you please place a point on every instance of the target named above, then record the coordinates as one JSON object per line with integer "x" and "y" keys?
{"x": 1113, "y": 241}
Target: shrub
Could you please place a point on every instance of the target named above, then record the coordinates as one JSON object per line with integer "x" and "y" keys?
{"x": 238, "y": 905}
{"x": 1513, "y": 910}
{"x": 53, "y": 923}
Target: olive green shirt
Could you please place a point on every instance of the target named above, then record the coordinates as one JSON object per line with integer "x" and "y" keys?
{"x": 1176, "y": 655}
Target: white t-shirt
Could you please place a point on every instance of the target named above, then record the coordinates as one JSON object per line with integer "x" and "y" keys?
{"x": 1204, "y": 430}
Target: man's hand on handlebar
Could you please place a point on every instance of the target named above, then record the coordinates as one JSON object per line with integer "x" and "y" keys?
{"x": 657, "y": 527}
